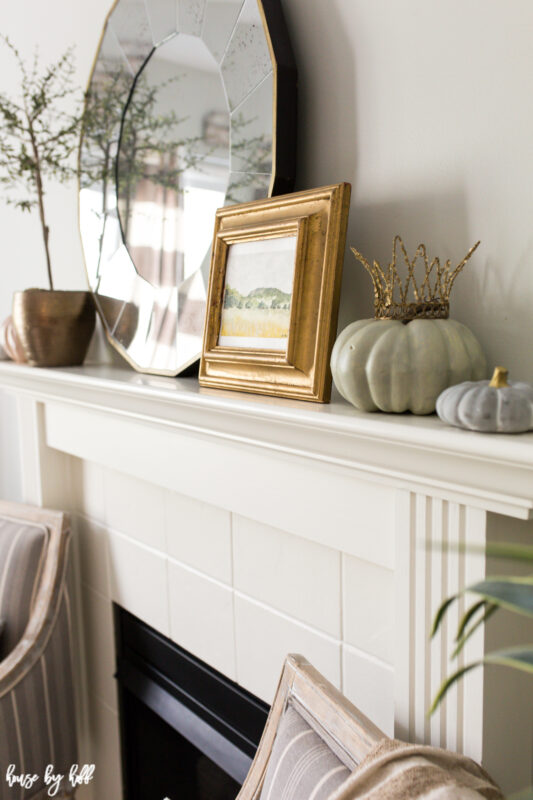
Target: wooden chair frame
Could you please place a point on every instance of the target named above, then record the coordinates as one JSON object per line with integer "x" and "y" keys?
{"x": 346, "y": 730}
{"x": 40, "y": 626}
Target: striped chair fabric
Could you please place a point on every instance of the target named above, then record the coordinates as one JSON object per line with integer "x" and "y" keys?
{"x": 37, "y": 723}
{"x": 22, "y": 551}
{"x": 302, "y": 765}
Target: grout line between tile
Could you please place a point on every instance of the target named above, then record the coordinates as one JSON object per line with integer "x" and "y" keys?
{"x": 199, "y": 573}
{"x": 287, "y": 617}
{"x": 367, "y": 656}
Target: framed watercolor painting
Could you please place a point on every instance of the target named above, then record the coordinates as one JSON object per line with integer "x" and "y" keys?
{"x": 273, "y": 294}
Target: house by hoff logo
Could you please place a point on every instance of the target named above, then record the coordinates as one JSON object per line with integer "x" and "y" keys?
{"x": 54, "y": 780}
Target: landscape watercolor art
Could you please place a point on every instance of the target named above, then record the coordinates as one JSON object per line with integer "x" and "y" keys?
{"x": 258, "y": 292}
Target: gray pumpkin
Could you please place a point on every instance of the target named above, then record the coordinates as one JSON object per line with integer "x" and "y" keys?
{"x": 490, "y": 407}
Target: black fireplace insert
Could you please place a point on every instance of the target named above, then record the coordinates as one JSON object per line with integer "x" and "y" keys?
{"x": 187, "y": 731}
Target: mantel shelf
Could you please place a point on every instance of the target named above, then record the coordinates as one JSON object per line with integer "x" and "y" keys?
{"x": 491, "y": 471}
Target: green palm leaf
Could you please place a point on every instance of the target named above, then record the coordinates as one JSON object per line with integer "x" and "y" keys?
{"x": 467, "y": 617}
{"x": 443, "y": 608}
{"x": 448, "y": 683}
{"x": 490, "y": 608}
{"x": 515, "y": 594}
{"x": 520, "y": 657}
{"x": 516, "y": 657}
{"x": 514, "y": 552}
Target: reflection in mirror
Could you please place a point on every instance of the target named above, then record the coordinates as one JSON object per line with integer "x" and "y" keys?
{"x": 131, "y": 26}
{"x": 219, "y": 23}
{"x": 162, "y": 19}
{"x": 247, "y": 60}
{"x": 251, "y": 131}
{"x": 173, "y": 169}
{"x": 179, "y": 122}
{"x": 191, "y": 16}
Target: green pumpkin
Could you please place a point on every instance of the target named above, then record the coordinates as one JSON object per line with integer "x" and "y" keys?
{"x": 393, "y": 366}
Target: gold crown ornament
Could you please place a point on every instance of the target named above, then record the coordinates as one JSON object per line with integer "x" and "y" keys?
{"x": 425, "y": 298}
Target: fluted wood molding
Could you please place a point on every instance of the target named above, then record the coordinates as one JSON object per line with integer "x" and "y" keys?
{"x": 430, "y": 566}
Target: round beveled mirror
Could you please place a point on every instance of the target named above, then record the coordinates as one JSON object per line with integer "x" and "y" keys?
{"x": 191, "y": 106}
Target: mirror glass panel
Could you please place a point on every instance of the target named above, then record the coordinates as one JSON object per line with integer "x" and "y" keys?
{"x": 173, "y": 168}
{"x": 180, "y": 120}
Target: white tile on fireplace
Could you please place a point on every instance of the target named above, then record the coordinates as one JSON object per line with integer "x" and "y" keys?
{"x": 91, "y": 544}
{"x": 293, "y": 575}
{"x": 199, "y": 534}
{"x": 138, "y": 576}
{"x": 135, "y": 508}
{"x": 368, "y": 607}
{"x": 264, "y": 638}
{"x": 369, "y": 684}
{"x": 99, "y": 646}
{"x": 201, "y": 617}
{"x": 105, "y": 741}
{"x": 87, "y": 485}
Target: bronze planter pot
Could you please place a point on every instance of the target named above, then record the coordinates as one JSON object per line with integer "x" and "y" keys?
{"x": 54, "y": 327}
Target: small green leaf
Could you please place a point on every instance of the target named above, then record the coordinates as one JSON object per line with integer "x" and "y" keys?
{"x": 515, "y": 594}
{"x": 467, "y": 617}
{"x": 441, "y": 612}
{"x": 448, "y": 683}
{"x": 515, "y": 552}
{"x": 520, "y": 657}
{"x": 489, "y": 611}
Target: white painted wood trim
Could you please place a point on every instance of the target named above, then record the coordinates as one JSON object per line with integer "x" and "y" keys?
{"x": 494, "y": 473}
{"x": 381, "y": 488}
{"x": 430, "y": 567}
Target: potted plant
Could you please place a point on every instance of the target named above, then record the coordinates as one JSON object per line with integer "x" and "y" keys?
{"x": 513, "y": 593}
{"x": 37, "y": 140}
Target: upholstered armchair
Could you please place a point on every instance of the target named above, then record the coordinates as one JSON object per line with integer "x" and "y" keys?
{"x": 37, "y": 720}
{"x": 317, "y": 746}
{"x": 313, "y": 740}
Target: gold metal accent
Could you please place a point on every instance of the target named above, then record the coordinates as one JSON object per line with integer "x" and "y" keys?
{"x": 54, "y": 327}
{"x": 429, "y": 300}
{"x": 318, "y": 218}
{"x": 499, "y": 378}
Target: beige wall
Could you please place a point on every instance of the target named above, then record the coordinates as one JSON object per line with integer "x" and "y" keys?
{"x": 423, "y": 105}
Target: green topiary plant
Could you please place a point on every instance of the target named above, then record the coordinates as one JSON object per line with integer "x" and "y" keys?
{"x": 513, "y": 593}
{"x": 38, "y": 135}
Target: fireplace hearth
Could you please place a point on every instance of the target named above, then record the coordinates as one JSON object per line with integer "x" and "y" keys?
{"x": 187, "y": 732}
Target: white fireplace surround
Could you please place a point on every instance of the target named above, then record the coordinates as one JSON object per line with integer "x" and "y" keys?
{"x": 246, "y": 527}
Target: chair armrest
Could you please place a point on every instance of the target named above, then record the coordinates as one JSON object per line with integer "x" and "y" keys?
{"x": 48, "y": 599}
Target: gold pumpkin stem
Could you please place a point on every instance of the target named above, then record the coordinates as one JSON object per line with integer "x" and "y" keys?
{"x": 499, "y": 378}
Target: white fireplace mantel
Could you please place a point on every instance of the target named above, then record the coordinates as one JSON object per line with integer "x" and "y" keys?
{"x": 493, "y": 472}
{"x": 383, "y": 497}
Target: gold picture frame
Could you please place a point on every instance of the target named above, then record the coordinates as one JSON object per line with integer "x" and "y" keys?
{"x": 298, "y": 239}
